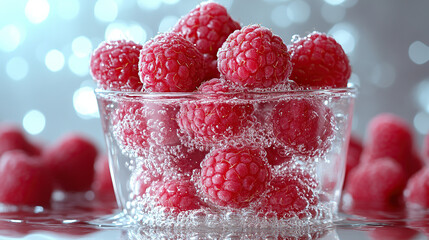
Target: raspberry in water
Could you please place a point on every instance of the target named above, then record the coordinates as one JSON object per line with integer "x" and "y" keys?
{"x": 177, "y": 195}
{"x": 290, "y": 194}
{"x": 71, "y": 161}
{"x": 114, "y": 65}
{"x": 213, "y": 119}
{"x": 319, "y": 61}
{"x": 25, "y": 180}
{"x": 234, "y": 177}
{"x": 254, "y": 57}
{"x": 207, "y": 26}
{"x": 170, "y": 63}
{"x": 303, "y": 125}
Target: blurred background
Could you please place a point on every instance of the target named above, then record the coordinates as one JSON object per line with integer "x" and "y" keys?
{"x": 45, "y": 47}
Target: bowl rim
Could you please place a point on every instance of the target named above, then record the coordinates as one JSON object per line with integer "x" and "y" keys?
{"x": 349, "y": 91}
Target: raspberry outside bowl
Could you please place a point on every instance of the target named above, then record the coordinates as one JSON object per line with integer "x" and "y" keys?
{"x": 264, "y": 160}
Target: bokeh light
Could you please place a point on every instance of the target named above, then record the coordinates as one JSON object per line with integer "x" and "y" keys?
{"x": 418, "y": 52}
{"x": 149, "y": 4}
{"x": 106, "y": 10}
{"x": 167, "y": 23}
{"x": 54, "y": 60}
{"x": 34, "y": 122}
{"x": 334, "y": 2}
{"x": 85, "y": 102}
{"x": 298, "y": 11}
{"x": 121, "y": 30}
{"x": 383, "y": 75}
{"x": 37, "y": 11}
{"x": 333, "y": 13}
{"x": 17, "y": 68}
{"x": 346, "y": 35}
{"x": 421, "y": 93}
{"x": 421, "y": 122}
{"x": 79, "y": 65}
{"x": 82, "y": 46}
{"x": 279, "y": 16}
{"x": 68, "y": 9}
{"x": 10, "y": 37}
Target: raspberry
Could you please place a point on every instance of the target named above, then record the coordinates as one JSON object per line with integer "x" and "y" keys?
{"x": 214, "y": 119}
{"x": 254, "y": 57}
{"x": 290, "y": 194}
{"x": 170, "y": 63}
{"x": 190, "y": 161}
{"x": 417, "y": 189}
{"x": 114, "y": 65}
{"x": 207, "y": 26}
{"x": 277, "y": 155}
{"x": 103, "y": 185}
{"x": 379, "y": 183}
{"x": 390, "y": 136}
{"x": 215, "y": 85}
{"x": 13, "y": 138}
{"x": 176, "y": 195}
{"x": 136, "y": 126}
{"x": 71, "y": 161}
{"x": 353, "y": 153}
{"x": 25, "y": 180}
{"x": 303, "y": 125}
{"x": 319, "y": 61}
{"x": 234, "y": 177}
{"x": 144, "y": 180}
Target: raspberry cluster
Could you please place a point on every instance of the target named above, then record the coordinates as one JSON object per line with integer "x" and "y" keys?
{"x": 31, "y": 171}
{"x": 218, "y": 147}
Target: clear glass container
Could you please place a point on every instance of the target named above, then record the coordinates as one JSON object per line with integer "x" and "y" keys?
{"x": 248, "y": 160}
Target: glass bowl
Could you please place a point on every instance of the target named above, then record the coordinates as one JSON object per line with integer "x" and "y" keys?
{"x": 248, "y": 160}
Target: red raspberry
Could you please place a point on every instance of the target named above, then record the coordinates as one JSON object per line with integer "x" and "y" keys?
{"x": 277, "y": 155}
{"x": 417, "y": 189}
{"x": 136, "y": 126}
{"x": 214, "y": 119}
{"x": 353, "y": 153}
{"x": 114, "y": 65}
{"x": 13, "y": 138}
{"x": 390, "y": 136}
{"x": 234, "y": 177}
{"x": 144, "y": 180}
{"x": 215, "y": 85}
{"x": 207, "y": 26}
{"x": 291, "y": 194}
{"x": 25, "y": 181}
{"x": 379, "y": 183}
{"x": 319, "y": 61}
{"x": 177, "y": 195}
{"x": 103, "y": 185}
{"x": 189, "y": 161}
{"x": 170, "y": 63}
{"x": 254, "y": 57}
{"x": 303, "y": 125}
{"x": 71, "y": 161}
